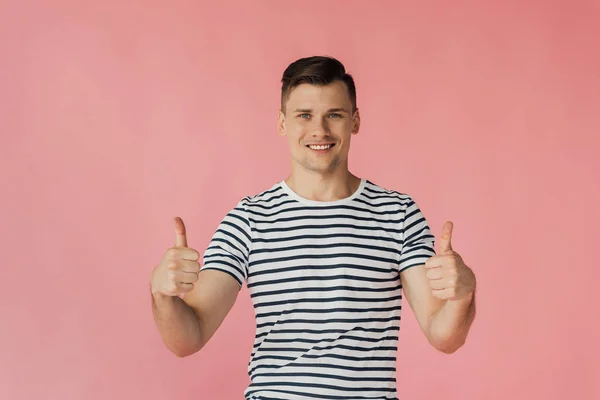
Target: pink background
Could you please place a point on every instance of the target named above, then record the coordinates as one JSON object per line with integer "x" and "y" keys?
{"x": 117, "y": 116}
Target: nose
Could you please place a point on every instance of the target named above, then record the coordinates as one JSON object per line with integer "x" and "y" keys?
{"x": 321, "y": 129}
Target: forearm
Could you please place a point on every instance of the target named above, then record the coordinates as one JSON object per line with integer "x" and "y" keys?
{"x": 449, "y": 327}
{"x": 177, "y": 324}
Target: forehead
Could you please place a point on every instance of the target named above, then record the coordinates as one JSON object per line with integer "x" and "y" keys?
{"x": 312, "y": 96}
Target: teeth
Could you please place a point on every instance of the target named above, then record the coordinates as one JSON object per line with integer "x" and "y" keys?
{"x": 320, "y": 147}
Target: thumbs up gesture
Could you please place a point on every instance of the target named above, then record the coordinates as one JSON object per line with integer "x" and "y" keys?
{"x": 448, "y": 276}
{"x": 179, "y": 268}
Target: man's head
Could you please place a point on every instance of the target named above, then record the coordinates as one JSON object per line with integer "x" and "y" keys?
{"x": 318, "y": 107}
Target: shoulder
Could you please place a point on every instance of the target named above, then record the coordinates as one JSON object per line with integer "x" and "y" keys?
{"x": 376, "y": 193}
{"x": 263, "y": 199}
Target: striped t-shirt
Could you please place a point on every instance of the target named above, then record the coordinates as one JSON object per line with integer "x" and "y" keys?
{"x": 324, "y": 281}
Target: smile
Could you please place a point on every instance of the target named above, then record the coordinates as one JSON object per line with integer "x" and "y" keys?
{"x": 320, "y": 146}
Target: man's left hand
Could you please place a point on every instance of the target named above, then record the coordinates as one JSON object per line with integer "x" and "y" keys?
{"x": 449, "y": 277}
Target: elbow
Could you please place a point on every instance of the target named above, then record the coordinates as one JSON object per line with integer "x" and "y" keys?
{"x": 185, "y": 347}
{"x": 181, "y": 353}
{"x": 449, "y": 349}
{"x": 447, "y": 346}
{"x": 184, "y": 351}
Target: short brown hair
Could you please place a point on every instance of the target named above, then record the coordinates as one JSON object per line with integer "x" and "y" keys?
{"x": 316, "y": 70}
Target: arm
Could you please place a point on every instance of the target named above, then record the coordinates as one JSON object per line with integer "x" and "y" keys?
{"x": 190, "y": 302}
{"x": 439, "y": 288}
{"x": 445, "y": 322}
{"x": 187, "y": 325}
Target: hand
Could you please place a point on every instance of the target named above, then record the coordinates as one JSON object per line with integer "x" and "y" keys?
{"x": 179, "y": 268}
{"x": 449, "y": 277}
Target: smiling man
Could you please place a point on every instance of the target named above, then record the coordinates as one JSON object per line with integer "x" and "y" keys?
{"x": 326, "y": 256}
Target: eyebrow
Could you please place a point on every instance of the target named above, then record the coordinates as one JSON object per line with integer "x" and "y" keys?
{"x": 308, "y": 110}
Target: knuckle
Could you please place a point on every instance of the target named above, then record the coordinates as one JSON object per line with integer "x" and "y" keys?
{"x": 172, "y": 265}
{"x": 172, "y": 253}
{"x": 172, "y": 277}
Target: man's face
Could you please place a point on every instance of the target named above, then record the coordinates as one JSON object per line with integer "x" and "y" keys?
{"x": 318, "y": 122}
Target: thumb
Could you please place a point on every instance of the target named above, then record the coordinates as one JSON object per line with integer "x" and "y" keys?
{"x": 446, "y": 238}
{"x": 180, "y": 237}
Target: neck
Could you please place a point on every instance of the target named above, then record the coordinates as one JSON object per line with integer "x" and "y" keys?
{"x": 317, "y": 186}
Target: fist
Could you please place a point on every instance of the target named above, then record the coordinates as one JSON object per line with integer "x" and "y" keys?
{"x": 448, "y": 276}
{"x": 179, "y": 268}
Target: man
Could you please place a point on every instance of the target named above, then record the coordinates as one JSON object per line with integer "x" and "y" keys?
{"x": 325, "y": 255}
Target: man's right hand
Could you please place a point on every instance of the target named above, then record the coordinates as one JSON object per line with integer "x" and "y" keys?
{"x": 179, "y": 268}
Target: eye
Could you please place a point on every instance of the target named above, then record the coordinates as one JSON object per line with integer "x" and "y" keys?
{"x": 335, "y": 115}
{"x": 304, "y": 115}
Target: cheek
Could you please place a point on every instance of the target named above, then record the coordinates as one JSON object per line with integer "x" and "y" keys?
{"x": 296, "y": 132}
{"x": 343, "y": 132}
{"x": 342, "y": 129}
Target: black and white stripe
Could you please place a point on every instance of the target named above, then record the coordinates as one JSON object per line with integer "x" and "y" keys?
{"x": 324, "y": 281}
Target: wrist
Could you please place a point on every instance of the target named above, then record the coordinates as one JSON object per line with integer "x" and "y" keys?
{"x": 464, "y": 301}
{"x": 158, "y": 296}
{"x": 469, "y": 291}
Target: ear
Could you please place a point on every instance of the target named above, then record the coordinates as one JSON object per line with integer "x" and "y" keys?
{"x": 356, "y": 122}
{"x": 281, "y": 123}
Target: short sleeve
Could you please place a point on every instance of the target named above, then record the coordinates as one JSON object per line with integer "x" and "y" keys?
{"x": 418, "y": 243}
{"x": 229, "y": 248}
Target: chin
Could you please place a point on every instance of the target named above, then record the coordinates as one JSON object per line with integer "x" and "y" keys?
{"x": 328, "y": 167}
